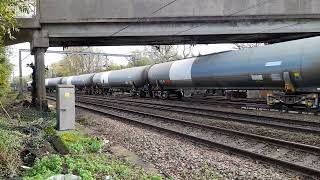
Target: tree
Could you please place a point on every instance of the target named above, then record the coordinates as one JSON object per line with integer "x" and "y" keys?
{"x": 5, "y": 72}
{"x": 141, "y": 58}
{"x": 187, "y": 51}
{"x": 8, "y": 11}
{"x": 79, "y": 64}
{"x": 247, "y": 45}
{"x": 158, "y": 54}
{"x": 164, "y": 53}
{"x": 161, "y": 53}
{"x": 15, "y": 81}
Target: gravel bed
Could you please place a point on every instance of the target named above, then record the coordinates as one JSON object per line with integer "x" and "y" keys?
{"x": 217, "y": 136}
{"x": 179, "y": 157}
{"x": 299, "y": 137}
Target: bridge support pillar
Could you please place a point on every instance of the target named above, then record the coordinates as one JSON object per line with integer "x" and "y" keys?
{"x": 41, "y": 100}
{"x": 39, "y": 46}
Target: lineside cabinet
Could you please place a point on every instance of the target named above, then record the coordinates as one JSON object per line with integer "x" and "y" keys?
{"x": 65, "y": 96}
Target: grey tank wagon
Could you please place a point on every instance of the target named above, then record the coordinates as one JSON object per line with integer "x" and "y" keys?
{"x": 291, "y": 68}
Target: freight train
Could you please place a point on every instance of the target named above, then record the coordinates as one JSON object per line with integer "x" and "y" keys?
{"x": 290, "y": 69}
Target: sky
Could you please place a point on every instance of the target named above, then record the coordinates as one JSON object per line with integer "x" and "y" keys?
{"x": 52, "y": 58}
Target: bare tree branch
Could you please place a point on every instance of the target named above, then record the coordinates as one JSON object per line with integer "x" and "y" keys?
{"x": 247, "y": 45}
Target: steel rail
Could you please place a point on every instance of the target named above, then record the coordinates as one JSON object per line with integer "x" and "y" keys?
{"x": 310, "y": 127}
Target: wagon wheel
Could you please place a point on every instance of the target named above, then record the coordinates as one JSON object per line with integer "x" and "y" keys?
{"x": 164, "y": 95}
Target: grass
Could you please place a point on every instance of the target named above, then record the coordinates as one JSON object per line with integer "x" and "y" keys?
{"x": 85, "y": 160}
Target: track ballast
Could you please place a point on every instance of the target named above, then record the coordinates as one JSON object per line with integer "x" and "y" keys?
{"x": 260, "y": 146}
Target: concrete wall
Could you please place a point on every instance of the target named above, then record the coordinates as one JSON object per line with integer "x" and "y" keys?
{"x": 109, "y": 10}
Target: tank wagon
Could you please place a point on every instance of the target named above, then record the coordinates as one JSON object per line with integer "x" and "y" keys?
{"x": 130, "y": 80}
{"x": 82, "y": 82}
{"x": 290, "y": 68}
{"x": 52, "y": 83}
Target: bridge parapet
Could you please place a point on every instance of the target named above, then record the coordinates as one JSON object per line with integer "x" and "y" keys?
{"x": 141, "y": 22}
{"x": 59, "y": 11}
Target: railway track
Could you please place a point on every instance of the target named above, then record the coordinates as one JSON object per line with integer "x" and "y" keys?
{"x": 260, "y": 105}
{"x": 239, "y": 103}
{"x": 294, "y": 156}
{"x": 247, "y": 104}
{"x": 280, "y": 123}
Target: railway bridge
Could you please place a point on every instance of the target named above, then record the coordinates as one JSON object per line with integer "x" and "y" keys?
{"x": 147, "y": 22}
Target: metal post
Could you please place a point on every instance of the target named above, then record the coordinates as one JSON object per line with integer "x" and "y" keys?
{"x": 20, "y": 96}
{"x": 40, "y": 78}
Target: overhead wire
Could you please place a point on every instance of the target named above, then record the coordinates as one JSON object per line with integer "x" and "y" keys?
{"x": 232, "y": 14}
{"x": 139, "y": 19}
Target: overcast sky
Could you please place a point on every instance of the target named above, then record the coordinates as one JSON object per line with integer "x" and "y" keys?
{"x": 52, "y": 58}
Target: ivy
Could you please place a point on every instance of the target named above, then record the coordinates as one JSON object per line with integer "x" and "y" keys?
{"x": 8, "y": 25}
{"x": 8, "y": 11}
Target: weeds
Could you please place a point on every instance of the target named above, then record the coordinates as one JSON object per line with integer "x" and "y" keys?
{"x": 88, "y": 167}
{"x": 205, "y": 173}
{"x": 78, "y": 143}
{"x": 10, "y": 146}
{"x": 44, "y": 168}
{"x": 18, "y": 134}
{"x": 85, "y": 162}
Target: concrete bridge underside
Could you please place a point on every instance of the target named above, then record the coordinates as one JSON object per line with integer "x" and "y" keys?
{"x": 150, "y": 33}
{"x": 147, "y": 22}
